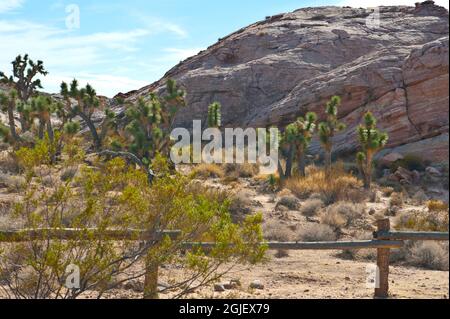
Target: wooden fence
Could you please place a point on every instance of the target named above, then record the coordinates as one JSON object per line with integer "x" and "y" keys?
{"x": 384, "y": 240}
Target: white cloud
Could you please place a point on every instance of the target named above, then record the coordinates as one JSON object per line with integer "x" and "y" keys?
{"x": 157, "y": 25}
{"x": 9, "y": 5}
{"x": 67, "y": 55}
{"x": 104, "y": 84}
{"x": 376, "y": 3}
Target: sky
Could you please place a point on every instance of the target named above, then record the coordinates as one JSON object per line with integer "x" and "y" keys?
{"x": 122, "y": 45}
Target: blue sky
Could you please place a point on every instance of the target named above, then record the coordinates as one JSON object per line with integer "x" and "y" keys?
{"x": 124, "y": 45}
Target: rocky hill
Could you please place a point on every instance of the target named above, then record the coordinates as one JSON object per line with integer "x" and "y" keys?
{"x": 277, "y": 69}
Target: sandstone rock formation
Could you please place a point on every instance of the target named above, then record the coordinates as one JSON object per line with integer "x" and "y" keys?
{"x": 275, "y": 70}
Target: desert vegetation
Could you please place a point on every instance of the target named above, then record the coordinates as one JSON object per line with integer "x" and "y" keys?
{"x": 73, "y": 162}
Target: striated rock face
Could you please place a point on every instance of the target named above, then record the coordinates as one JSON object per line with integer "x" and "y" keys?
{"x": 276, "y": 70}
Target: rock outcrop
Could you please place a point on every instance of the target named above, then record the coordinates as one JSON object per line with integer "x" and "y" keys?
{"x": 275, "y": 70}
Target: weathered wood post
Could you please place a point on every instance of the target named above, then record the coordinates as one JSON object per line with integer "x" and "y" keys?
{"x": 382, "y": 291}
{"x": 151, "y": 279}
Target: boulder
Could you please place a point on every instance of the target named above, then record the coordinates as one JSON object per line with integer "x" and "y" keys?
{"x": 390, "y": 158}
{"x": 275, "y": 70}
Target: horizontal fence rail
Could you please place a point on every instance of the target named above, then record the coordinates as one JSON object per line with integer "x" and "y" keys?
{"x": 335, "y": 245}
{"x": 25, "y": 235}
{"x": 388, "y": 235}
{"x": 384, "y": 240}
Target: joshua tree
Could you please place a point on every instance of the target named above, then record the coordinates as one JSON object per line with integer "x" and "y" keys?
{"x": 296, "y": 140}
{"x": 23, "y": 80}
{"x": 329, "y": 128}
{"x": 86, "y": 104}
{"x": 149, "y": 122}
{"x": 214, "y": 115}
{"x": 372, "y": 141}
{"x": 305, "y": 128}
{"x": 8, "y": 104}
{"x": 42, "y": 107}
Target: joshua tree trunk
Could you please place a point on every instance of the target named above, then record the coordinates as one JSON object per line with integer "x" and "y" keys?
{"x": 50, "y": 133}
{"x": 280, "y": 171}
{"x": 368, "y": 172}
{"x": 92, "y": 128}
{"x": 12, "y": 123}
{"x": 23, "y": 123}
{"x": 301, "y": 162}
{"x": 289, "y": 161}
{"x": 41, "y": 129}
{"x": 328, "y": 162}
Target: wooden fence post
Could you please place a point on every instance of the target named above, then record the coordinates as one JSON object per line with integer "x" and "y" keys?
{"x": 151, "y": 281}
{"x": 382, "y": 291}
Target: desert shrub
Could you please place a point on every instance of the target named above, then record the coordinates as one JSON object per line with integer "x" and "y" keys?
{"x": 333, "y": 219}
{"x": 245, "y": 170}
{"x": 207, "y": 171}
{"x": 8, "y": 163}
{"x": 311, "y": 207}
{"x": 290, "y": 202}
{"x": 397, "y": 199}
{"x": 240, "y": 206}
{"x": 276, "y": 231}
{"x": 387, "y": 183}
{"x": 437, "y": 206}
{"x": 114, "y": 195}
{"x": 423, "y": 221}
{"x": 68, "y": 173}
{"x": 332, "y": 189}
{"x": 13, "y": 183}
{"x": 430, "y": 255}
{"x": 343, "y": 214}
{"x": 316, "y": 233}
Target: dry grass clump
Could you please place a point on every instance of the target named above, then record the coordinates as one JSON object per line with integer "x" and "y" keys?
{"x": 8, "y": 164}
{"x": 68, "y": 173}
{"x": 277, "y": 231}
{"x": 332, "y": 189}
{"x": 290, "y": 202}
{"x": 245, "y": 170}
{"x": 13, "y": 183}
{"x": 437, "y": 206}
{"x": 240, "y": 206}
{"x": 316, "y": 233}
{"x": 343, "y": 214}
{"x": 311, "y": 207}
{"x": 208, "y": 171}
{"x": 430, "y": 255}
{"x": 423, "y": 221}
{"x": 397, "y": 199}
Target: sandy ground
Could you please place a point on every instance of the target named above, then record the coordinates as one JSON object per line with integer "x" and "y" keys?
{"x": 310, "y": 274}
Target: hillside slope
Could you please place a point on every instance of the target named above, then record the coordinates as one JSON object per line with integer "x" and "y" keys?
{"x": 275, "y": 70}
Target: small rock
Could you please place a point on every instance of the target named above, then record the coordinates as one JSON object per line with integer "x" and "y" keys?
{"x": 219, "y": 288}
{"x": 134, "y": 285}
{"x": 257, "y": 285}
{"x": 433, "y": 171}
{"x": 233, "y": 284}
{"x": 347, "y": 278}
{"x": 236, "y": 282}
{"x": 372, "y": 211}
